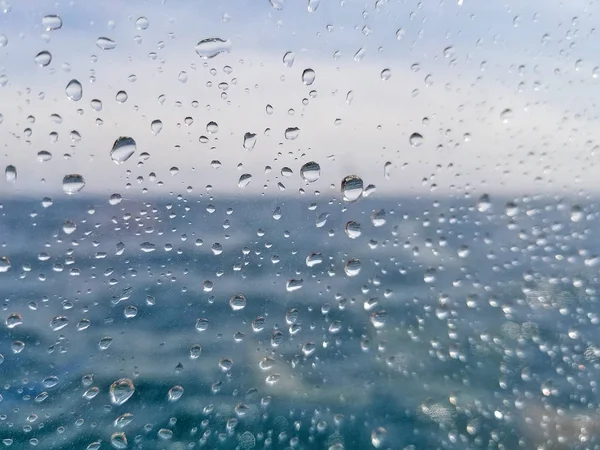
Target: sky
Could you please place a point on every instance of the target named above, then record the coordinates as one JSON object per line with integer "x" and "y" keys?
{"x": 503, "y": 95}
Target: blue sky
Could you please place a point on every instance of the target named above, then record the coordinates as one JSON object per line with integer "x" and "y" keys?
{"x": 458, "y": 66}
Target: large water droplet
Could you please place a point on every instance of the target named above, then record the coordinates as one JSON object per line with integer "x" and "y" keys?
{"x": 249, "y": 141}
{"x": 288, "y": 59}
{"x": 14, "y": 320}
{"x": 105, "y": 43}
{"x": 58, "y": 323}
{"x": 121, "y": 391}
{"x": 72, "y": 184}
{"x": 74, "y": 90}
{"x": 122, "y": 149}
{"x": 43, "y": 58}
{"x": 156, "y": 126}
{"x": 308, "y": 77}
{"x": 237, "y": 302}
{"x": 211, "y": 47}
{"x": 311, "y": 171}
{"x": 352, "y": 188}
{"x": 292, "y": 133}
{"x": 51, "y": 22}
{"x": 118, "y": 440}
{"x": 415, "y": 139}
{"x": 11, "y": 174}
{"x": 244, "y": 180}
{"x": 175, "y": 393}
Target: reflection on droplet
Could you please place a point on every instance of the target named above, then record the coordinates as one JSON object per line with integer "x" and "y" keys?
{"x": 211, "y": 47}
{"x": 308, "y": 77}
{"x": 237, "y": 302}
{"x": 51, "y": 22}
{"x": 72, "y": 184}
{"x": 43, "y": 58}
{"x": 105, "y": 43}
{"x": 121, "y": 391}
{"x": 122, "y": 149}
{"x": 74, "y": 90}
{"x": 352, "y": 188}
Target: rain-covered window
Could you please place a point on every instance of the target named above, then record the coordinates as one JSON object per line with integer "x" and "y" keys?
{"x": 299, "y": 224}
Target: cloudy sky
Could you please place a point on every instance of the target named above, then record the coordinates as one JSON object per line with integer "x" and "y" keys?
{"x": 503, "y": 95}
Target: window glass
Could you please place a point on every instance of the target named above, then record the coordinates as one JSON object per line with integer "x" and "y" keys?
{"x": 299, "y": 224}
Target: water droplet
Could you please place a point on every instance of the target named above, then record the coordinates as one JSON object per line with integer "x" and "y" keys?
{"x": 292, "y": 133}
{"x": 288, "y": 59}
{"x": 237, "y": 302}
{"x": 14, "y": 320}
{"x": 313, "y": 259}
{"x": 352, "y": 267}
{"x": 294, "y": 284}
{"x": 244, "y": 180}
{"x": 386, "y": 74}
{"x": 249, "y": 141}
{"x": 483, "y": 203}
{"x": 44, "y": 156}
{"x": 506, "y": 115}
{"x": 50, "y": 382}
{"x": 212, "y": 127}
{"x": 11, "y": 174}
{"x": 124, "y": 420}
{"x": 378, "y": 436}
{"x": 415, "y": 139}
{"x": 105, "y": 342}
{"x": 202, "y": 324}
{"x": 353, "y": 229}
{"x": 121, "y": 391}
{"x": 195, "y": 351}
{"x": 313, "y": 5}
{"x": 119, "y": 440}
{"x": 360, "y": 54}
{"x": 58, "y": 323}
{"x": 378, "y": 319}
{"x": 72, "y": 184}
{"x": 277, "y": 4}
{"x": 142, "y": 23}
{"x": 308, "y": 77}
{"x": 51, "y": 22}
{"x": 165, "y": 434}
{"x": 156, "y": 126}
{"x": 105, "y": 43}
{"x": 175, "y": 393}
{"x": 211, "y": 47}
{"x": 123, "y": 149}
{"x": 121, "y": 97}
{"x": 74, "y": 90}
{"x": 147, "y": 247}
{"x": 91, "y": 393}
{"x": 4, "y": 264}
{"x": 352, "y": 188}
{"x": 311, "y": 171}
{"x": 43, "y": 58}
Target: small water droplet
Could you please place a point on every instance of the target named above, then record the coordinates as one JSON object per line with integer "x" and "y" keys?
{"x": 58, "y": 323}
{"x": 352, "y": 188}
{"x": 4, "y": 264}
{"x": 121, "y": 97}
{"x": 294, "y": 284}
{"x": 352, "y": 267}
{"x": 211, "y": 47}
{"x": 308, "y": 77}
{"x": 105, "y": 43}
{"x": 73, "y": 183}
{"x": 118, "y": 440}
{"x": 506, "y": 115}
{"x": 43, "y": 58}
{"x": 277, "y": 4}
{"x": 483, "y": 203}
{"x": 121, "y": 391}
{"x": 74, "y": 90}
{"x": 386, "y": 74}
{"x": 124, "y": 420}
{"x": 142, "y": 23}
{"x": 122, "y": 149}
{"x": 175, "y": 393}
{"x": 313, "y": 5}
{"x": 353, "y": 229}
{"x": 51, "y": 22}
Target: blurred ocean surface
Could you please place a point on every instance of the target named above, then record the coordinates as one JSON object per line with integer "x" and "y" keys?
{"x": 445, "y": 324}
